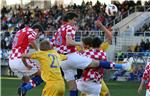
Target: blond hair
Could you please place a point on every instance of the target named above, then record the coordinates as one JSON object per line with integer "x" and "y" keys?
{"x": 45, "y": 45}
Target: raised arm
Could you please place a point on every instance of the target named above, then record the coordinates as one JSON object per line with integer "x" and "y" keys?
{"x": 33, "y": 44}
{"x": 107, "y": 32}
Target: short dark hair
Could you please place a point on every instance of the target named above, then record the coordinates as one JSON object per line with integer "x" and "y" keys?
{"x": 96, "y": 42}
{"x": 38, "y": 26}
{"x": 45, "y": 45}
{"x": 87, "y": 41}
{"x": 69, "y": 16}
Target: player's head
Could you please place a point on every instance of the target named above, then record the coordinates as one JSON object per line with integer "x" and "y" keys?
{"x": 45, "y": 45}
{"x": 70, "y": 18}
{"x": 87, "y": 42}
{"x": 96, "y": 42}
{"x": 37, "y": 28}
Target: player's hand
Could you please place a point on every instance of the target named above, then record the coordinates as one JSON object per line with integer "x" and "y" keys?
{"x": 38, "y": 49}
{"x": 25, "y": 63}
{"x": 98, "y": 23}
{"x": 29, "y": 67}
{"x": 81, "y": 45}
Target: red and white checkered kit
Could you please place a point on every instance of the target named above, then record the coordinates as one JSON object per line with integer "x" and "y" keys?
{"x": 59, "y": 39}
{"x": 94, "y": 74}
{"x": 21, "y": 42}
{"x": 146, "y": 74}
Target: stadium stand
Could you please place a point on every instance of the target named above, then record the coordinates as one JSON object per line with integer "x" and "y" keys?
{"x": 13, "y": 18}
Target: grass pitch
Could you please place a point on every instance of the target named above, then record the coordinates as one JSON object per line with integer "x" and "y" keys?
{"x": 9, "y": 87}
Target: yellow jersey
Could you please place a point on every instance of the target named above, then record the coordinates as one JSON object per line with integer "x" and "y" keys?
{"x": 104, "y": 90}
{"x": 104, "y": 46}
{"x": 49, "y": 64}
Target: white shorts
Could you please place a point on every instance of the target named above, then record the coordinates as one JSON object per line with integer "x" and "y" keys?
{"x": 89, "y": 87}
{"x": 19, "y": 69}
{"x": 147, "y": 92}
{"x": 74, "y": 61}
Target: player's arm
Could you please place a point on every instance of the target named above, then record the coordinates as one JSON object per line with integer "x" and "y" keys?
{"x": 32, "y": 39}
{"x": 141, "y": 86}
{"x": 145, "y": 75}
{"x": 24, "y": 57}
{"x": 63, "y": 57}
{"x": 33, "y": 44}
{"x": 107, "y": 32}
{"x": 69, "y": 38}
{"x": 71, "y": 42}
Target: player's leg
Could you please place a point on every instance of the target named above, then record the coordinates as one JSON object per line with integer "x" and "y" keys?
{"x": 110, "y": 65}
{"x": 104, "y": 90}
{"x": 76, "y": 61}
{"x": 69, "y": 75}
{"x": 19, "y": 69}
{"x": 70, "y": 66}
{"x": 81, "y": 62}
{"x": 35, "y": 79}
{"x": 32, "y": 82}
{"x": 23, "y": 73}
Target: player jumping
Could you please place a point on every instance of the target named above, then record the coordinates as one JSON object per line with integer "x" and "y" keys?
{"x": 23, "y": 38}
{"x": 64, "y": 41}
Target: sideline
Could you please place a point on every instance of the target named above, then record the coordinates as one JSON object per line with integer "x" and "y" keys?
{"x": 10, "y": 78}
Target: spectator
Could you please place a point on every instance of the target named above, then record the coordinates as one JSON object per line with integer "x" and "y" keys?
{"x": 118, "y": 73}
{"x": 136, "y": 49}
{"x": 129, "y": 52}
{"x": 140, "y": 72}
{"x": 120, "y": 56}
{"x": 142, "y": 46}
{"x": 132, "y": 75}
{"x": 147, "y": 45}
{"x": 144, "y": 30}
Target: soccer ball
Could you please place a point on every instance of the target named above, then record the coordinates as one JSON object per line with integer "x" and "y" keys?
{"x": 111, "y": 10}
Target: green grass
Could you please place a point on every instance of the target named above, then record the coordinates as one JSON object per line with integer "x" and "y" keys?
{"x": 9, "y": 88}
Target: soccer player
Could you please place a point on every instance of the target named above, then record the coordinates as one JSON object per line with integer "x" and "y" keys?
{"x": 20, "y": 45}
{"x": 146, "y": 76}
{"x": 64, "y": 41}
{"x": 93, "y": 75}
{"x": 50, "y": 69}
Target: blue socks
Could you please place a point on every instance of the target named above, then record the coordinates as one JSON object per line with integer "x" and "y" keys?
{"x": 26, "y": 86}
{"x": 105, "y": 64}
{"x": 73, "y": 93}
{"x": 37, "y": 80}
{"x": 118, "y": 66}
{"x": 110, "y": 65}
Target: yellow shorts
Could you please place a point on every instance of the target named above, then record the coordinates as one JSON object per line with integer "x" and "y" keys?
{"x": 54, "y": 88}
{"x": 104, "y": 89}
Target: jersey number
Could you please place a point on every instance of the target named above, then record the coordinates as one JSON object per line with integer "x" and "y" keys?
{"x": 54, "y": 61}
{"x": 58, "y": 40}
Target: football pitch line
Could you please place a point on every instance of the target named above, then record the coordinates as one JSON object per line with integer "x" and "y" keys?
{"x": 10, "y": 78}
